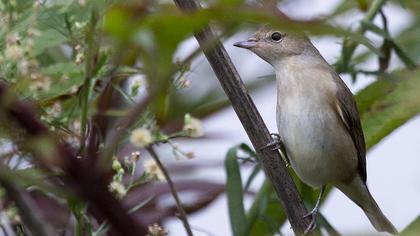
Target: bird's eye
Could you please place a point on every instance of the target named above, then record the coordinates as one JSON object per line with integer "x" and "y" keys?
{"x": 276, "y": 36}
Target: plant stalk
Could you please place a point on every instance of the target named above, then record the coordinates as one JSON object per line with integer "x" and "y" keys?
{"x": 181, "y": 210}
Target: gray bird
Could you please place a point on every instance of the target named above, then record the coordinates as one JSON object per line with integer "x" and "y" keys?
{"x": 318, "y": 120}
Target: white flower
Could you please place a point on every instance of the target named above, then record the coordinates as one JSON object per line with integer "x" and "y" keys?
{"x": 37, "y": 5}
{"x": 80, "y": 25}
{"x": 55, "y": 109}
{"x": 27, "y": 67}
{"x": 118, "y": 189}
{"x": 73, "y": 140}
{"x": 29, "y": 45}
{"x": 80, "y": 57}
{"x": 141, "y": 137}
{"x": 74, "y": 89}
{"x": 14, "y": 52}
{"x": 40, "y": 84}
{"x": 12, "y": 38}
{"x": 65, "y": 78}
{"x": 78, "y": 48}
{"x": 193, "y": 126}
{"x": 152, "y": 169}
{"x": 33, "y": 32}
{"x": 133, "y": 158}
{"x": 76, "y": 126}
{"x": 156, "y": 230}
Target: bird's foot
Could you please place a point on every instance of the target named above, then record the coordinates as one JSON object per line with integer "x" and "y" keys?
{"x": 248, "y": 160}
{"x": 312, "y": 225}
{"x": 275, "y": 144}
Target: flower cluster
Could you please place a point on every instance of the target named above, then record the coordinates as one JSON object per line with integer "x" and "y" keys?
{"x": 141, "y": 137}
{"x": 153, "y": 171}
{"x": 132, "y": 159}
{"x": 80, "y": 54}
{"x": 118, "y": 189}
{"x": 193, "y": 126}
{"x": 116, "y": 186}
{"x": 156, "y": 230}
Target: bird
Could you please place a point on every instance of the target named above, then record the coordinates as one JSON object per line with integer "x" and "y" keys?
{"x": 317, "y": 120}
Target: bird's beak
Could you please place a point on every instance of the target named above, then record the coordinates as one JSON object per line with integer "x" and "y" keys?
{"x": 250, "y": 43}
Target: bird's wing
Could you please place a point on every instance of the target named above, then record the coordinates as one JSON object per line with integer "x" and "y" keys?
{"x": 347, "y": 109}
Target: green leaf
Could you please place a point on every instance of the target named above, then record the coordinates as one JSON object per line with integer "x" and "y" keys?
{"x": 62, "y": 68}
{"x": 235, "y": 194}
{"x": 409, "y": 63}
{"x": 32, "y": 177}
{"x": 266, "y": 214}
{"x": 48, "y": 39}
{"x": 126, "y": 96}
{"x": 409, "y": 39}
{"x": 388, "y": 103}
{"x": 254, "y": 173}
{"x": 60, "y": 86}
{"x": 398, "y": 50}
{"x": 413, "y": 229}
{"x": 375, "y": 29}
{"x": 246, "y": 148}
{"x": 361, "y": 39}
{"x": 363, "y": 4}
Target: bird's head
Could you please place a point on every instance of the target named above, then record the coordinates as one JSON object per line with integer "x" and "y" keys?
{"x": 274, "y": 45}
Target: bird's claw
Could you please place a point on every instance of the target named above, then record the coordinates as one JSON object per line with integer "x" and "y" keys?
{"x": 247, "y": 159}
{"x": 275, "y": 144}
{"x": 312, "y": 225}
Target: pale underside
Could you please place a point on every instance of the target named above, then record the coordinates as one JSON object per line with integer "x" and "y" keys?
{"x": 319, "y": 146}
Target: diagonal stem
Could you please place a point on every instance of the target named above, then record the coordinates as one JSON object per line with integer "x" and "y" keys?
{"x": 252, "y": 122}
{"x": 181, "y": 210}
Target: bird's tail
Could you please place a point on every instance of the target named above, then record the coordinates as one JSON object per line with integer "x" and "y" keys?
{"x": 357, "y": 191}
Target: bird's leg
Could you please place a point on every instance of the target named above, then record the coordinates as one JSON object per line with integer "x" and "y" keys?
{"x": 275, "y": 144}
{"x": 314, "y": 213}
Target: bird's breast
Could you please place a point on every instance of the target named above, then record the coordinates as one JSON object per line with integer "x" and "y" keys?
{"x": 319, "y": 147}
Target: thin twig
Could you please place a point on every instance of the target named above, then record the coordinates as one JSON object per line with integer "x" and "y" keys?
{"x": 89, "y": 73}
{"x": 181, "y": 210}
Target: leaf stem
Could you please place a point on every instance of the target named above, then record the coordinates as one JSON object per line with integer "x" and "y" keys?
{"x": 181, "y": 210}
{"x": 349, "y": 46}
{"x": 86, "y": 90}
